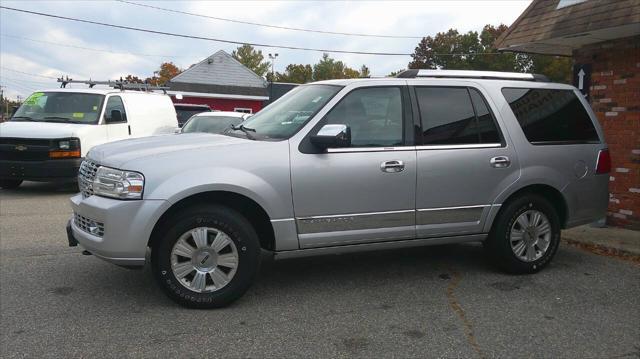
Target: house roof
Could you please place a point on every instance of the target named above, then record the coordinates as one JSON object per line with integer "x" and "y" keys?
{"x": 560, "y": 26}
{"x": 219, "y": 69}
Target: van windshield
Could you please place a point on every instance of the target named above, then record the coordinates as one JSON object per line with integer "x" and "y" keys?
{"x": 65, "y": 107}
{"x": 283, "y": 118}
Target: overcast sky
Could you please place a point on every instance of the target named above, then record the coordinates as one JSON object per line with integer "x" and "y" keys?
{"x": 31, "y": 43}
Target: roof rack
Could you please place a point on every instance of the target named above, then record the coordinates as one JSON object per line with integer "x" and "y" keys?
{"x": 117, "y": 84}
{"x": 470, "y": 74}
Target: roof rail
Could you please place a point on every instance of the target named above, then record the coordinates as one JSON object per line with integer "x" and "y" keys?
{"x": 470, "y": 74}
{"x": 118, "y": 84}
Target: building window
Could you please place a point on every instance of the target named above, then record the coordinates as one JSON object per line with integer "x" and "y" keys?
{"x": 243, "y": 110}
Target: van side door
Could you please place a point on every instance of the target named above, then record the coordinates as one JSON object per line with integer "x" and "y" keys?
{"x": 464, "y": 160}
{"x": 117, "y": 128}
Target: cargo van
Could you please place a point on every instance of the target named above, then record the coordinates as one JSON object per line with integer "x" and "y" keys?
{"x": 47, "y": 138}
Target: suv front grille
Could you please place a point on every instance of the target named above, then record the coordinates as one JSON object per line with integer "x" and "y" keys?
{"x": 86, "y": 175}
{"x": 88, "y": 225}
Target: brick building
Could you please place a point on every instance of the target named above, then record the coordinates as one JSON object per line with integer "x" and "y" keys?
{"x": 603, "y": 38}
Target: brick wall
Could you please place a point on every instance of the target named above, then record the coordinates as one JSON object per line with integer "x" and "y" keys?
{"x": 615, "y": 98}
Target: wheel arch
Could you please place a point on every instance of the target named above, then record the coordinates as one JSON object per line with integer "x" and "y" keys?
{"x": 246, "y": 206}
{"x": 552, "y": 194}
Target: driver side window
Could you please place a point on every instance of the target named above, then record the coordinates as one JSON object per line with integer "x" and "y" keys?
{"x": 374, "y": 115}
{"x": 114, "y": 103}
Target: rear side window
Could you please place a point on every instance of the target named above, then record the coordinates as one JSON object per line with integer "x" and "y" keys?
{"x": 455, "y": 116}
{"x": 551, "y": 116}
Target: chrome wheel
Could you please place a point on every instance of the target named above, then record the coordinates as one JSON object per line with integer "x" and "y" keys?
{"x": 204, "y": 259}
{"x": 530, "y": 235}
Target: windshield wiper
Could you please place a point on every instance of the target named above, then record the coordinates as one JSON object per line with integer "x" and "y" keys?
{"x": 244, "y": 129}
{"x": 23, "y": 118}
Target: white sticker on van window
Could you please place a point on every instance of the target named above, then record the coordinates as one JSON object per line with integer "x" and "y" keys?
{"x": 317, "y": 99}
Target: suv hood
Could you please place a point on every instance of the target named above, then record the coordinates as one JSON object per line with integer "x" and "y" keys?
{"x": 31, "y": 129}
{"x": 116, "y": 154}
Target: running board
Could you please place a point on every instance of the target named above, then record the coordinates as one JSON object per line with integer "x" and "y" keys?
{"x": 350, "y": 248}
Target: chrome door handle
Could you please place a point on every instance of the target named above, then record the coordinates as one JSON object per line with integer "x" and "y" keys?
{"x": 392, "y": 166}
{"x": 500, "y": 162}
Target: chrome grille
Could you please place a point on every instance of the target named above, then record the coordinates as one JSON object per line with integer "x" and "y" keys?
{"x": 88, "y": 225}
{"x": 86, "y": 175}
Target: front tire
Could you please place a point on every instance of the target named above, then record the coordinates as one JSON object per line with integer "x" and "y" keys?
{"x": 525, "y": 236}
{"x": 208, "y": 257}
{"x": 10, "y": 184}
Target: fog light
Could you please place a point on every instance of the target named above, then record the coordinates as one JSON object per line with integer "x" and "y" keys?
{"x": 93, "y": 228}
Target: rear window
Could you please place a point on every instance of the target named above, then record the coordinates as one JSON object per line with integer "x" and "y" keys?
{"x": 551, "y": 116}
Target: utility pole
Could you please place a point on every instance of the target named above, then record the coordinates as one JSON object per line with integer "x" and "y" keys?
{"x": 272, "y": 57}
{"x": 4, "y": 102}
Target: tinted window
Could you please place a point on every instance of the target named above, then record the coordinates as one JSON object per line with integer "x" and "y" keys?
{"x": 115, "y": 103}
{"x": 374, "y": 115}
{"x": 185, "y": 114}
{"x": 487, "y": 129}
{"x": 448, "y": 117}
{"x": 551, "y": 116}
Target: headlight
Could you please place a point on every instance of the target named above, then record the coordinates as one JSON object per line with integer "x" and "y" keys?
{"x": 66, "y": 148}
{"x": 114, "y": 183}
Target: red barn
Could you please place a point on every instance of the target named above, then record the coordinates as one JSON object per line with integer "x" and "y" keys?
{"x": 221, "y": 82}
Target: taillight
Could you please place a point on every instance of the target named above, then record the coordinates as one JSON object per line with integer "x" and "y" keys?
{"x": 604, "y": 162}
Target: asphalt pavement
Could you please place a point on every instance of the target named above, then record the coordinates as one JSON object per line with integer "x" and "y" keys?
{"x": 444, "y": 301}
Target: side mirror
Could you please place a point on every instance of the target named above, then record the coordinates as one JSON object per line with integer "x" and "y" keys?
{"x": 332, "y": 136}
{"x": 116, "y": 117}
{"x": 177, "y": 130}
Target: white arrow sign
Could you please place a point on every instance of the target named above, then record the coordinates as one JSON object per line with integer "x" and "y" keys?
{"x": 581, "y": 79}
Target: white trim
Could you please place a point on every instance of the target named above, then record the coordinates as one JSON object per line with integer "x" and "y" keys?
{"x": 450, "y": 208}
{"x": 218, "y": 95}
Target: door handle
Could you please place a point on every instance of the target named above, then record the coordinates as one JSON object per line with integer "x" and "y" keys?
{"x": 500, "y": 162}
{"x": 392, "y": 166}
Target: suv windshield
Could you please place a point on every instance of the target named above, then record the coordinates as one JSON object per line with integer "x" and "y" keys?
{"x": 67, "y": 107}
{"x": 289, "y": 113}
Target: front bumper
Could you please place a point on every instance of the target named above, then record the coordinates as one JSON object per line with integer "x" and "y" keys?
{"x": 127, "y": 227}
{"x": 48, "y": 170}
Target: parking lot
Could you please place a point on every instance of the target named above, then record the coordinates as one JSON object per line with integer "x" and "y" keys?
{"x": 430, "y": 302}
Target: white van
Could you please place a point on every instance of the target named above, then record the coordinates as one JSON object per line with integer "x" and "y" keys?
{"x": 49, "y": 135}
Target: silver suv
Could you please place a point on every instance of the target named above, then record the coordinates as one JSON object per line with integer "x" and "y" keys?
{"x": 430, "y": 157}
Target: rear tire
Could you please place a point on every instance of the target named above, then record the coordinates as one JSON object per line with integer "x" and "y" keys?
{"x": 525, "y": 235}
{"x": 207, "y": 258}
{"x": 10, "y": 184}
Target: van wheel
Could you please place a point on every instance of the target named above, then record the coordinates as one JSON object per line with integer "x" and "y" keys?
{"x": 208, "y": 257}
{"x": 10, "y": 184}
{"x": 525, "y": 236}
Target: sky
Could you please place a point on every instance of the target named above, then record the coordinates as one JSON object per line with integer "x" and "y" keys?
{"x": 32, "y": 54}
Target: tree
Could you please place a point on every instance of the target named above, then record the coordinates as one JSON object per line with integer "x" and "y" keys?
{"x": 296, "y": 73}
{"x": 473, "y": 51}
{"x": 364, "y": 71}
{"x": 133, "y": 79}
{"x": 166, "y": 72}
{"x": 395, "y": 73}
{"x": 328, "y": 68}
{"x": 252, "y": 59}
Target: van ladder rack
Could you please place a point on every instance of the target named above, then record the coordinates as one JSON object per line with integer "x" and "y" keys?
{"x": 470, "y": 74}
{"x": 117, "y": 84}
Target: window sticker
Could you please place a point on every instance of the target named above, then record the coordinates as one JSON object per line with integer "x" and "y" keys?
{"x": 33, "y": 99}
{"x": 95, "y": 108}
{"x": 78, "y": 114}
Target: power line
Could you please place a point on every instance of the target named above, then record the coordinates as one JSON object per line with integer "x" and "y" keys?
{"x": 202, "y": 37}
{"x": 87, "y": 48}
{"x": 27, "y": 73}
{"x": 271, "y": 26}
